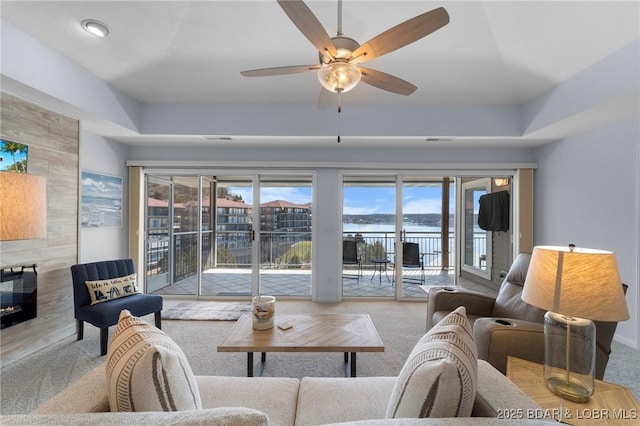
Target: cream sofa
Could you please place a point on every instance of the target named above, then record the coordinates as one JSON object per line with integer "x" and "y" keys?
{"x": 147, "y": 373}
{"x": 279, "y": 401}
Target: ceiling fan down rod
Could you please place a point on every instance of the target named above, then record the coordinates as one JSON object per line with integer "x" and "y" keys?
{"x": 340, "y": 18}
{"x": 339, "y": 114}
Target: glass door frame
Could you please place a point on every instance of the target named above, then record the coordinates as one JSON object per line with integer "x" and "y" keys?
{"x": 157, "y": 180}
{"x": 214, "y": 174}
{"x": 390, "y": 179}
{"x": 428, "y": 176}
{"x": 212, "y": 187}
{"x": 221, "y": 176}
{"x": 398, "y": 180}
{"x": 485, "y": 184}
{"x": 288, "y": 214}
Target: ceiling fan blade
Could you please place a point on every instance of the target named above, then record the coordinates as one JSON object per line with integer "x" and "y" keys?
{"x": 387, "y": 82}
{"x": 308, "y": 24}
{"x": 266, "y": 72}
{"x": 325, "y": 99}
{"x": 401, "y": 35}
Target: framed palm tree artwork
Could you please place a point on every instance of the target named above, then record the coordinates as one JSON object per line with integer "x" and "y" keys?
{"x": 13, "y": 156}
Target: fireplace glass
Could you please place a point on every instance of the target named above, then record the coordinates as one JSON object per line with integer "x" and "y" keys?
{"x": 18, "y": 294}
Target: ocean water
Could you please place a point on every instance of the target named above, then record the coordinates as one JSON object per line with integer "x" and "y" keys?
{"x": 428, "y": 237}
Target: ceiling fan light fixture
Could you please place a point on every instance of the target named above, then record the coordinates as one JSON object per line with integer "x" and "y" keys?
{"x": 339, "y": 76}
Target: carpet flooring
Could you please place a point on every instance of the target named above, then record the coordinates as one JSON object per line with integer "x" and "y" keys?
{"x": 205, "y": 311}
{"x": 27, "y": 383}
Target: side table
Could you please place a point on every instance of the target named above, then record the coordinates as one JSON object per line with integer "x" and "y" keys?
{"x": 610, "y": 404}
{"x": 380, "y": 265}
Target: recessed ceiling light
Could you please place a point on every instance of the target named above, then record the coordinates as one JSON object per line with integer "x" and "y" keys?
{"x": 94, "y": 27}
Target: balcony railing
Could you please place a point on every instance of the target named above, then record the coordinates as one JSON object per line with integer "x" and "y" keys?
{"x": 382, "y": 245}
{"x": 285, "y": 250}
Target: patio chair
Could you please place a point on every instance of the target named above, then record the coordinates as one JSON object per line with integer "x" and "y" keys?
{"x": 412, "y": 259}
{"x": 350, "y": 256}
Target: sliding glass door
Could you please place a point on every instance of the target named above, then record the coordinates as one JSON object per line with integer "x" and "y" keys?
{"x": 285, "y": 235}
{"x": 252, "y": 233}
{"x": 427, "y": 233}
{"x": 159, "y": 217}
{"x": 369, "y": 226}
{"x": 402, "y": 229}
{"x": 476, "y": 254}
{"x": 233, "y": 272}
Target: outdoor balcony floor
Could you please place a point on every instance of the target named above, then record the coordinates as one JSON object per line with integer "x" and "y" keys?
{"x": 297, "y": 283}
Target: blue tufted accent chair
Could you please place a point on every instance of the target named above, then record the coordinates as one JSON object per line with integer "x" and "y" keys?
{"x": 105, "y": 314}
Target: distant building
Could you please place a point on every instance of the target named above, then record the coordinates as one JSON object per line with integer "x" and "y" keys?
{"x": 280, "y": 215}
{"x": 232, "y": 215}
{"x": 233, "y": 222}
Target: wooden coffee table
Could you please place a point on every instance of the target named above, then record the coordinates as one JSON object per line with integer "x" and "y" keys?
{"x": 348, "y": 333}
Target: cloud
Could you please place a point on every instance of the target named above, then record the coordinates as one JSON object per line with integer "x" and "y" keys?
{"x": 292, "y": 194}
{"x": 359, "y": 210}
{"x": 101, "y": 186}
{"x": 423, "y": 206}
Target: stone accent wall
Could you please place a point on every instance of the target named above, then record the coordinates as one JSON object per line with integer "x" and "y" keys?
{"x": 53, "y": 142}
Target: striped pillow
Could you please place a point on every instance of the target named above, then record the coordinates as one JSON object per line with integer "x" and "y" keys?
{"x": 147, "y": 371}
{"x": 439, "y": 377}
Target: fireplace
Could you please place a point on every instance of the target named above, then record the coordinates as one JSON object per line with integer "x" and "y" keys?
{"x": 18, "y": 294}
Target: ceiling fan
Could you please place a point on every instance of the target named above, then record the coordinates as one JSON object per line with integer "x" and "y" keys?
{"x": 340, "y": 56}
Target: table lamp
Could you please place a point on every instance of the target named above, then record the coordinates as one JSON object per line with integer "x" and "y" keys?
{"x": 576, "y": 286}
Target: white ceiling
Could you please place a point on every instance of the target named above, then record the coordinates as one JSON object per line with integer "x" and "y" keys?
{"x": 491, "y": 52}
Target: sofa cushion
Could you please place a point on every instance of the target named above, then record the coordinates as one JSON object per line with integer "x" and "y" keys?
{"x": 147, "y": 371}
{"x": 112, "y": 288}
{"x": 274, "y": 396}
{"x": 328, "y": 400}
{"x": 440, "y": 375}
{"x": 88, "y": 394}
{"x": 225, "y": 416}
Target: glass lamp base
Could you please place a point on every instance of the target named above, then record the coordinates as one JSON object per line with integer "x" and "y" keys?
{"x": 568, "y": 390}
{"x": 569, "y": 361}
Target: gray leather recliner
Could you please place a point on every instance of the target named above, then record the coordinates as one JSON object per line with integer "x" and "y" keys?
{"x": 506, "y": 325}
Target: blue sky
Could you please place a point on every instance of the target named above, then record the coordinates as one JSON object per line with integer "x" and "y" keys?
{"x": 297, "y": 195}
{"x": 372, "y": 200}
{"x": 359, "y": 200}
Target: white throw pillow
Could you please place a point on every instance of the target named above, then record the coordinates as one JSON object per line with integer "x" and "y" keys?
{"x": 147, "y": 371}
{"x": 112, "y": 288}
{"x": 440, "y": 375}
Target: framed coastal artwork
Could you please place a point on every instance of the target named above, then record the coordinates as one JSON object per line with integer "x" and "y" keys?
{"x": 101, "y": 200}
{"x": 13, "y": 156}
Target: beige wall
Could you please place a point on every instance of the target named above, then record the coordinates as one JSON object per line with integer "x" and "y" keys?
{"x": 53, "y": 142}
